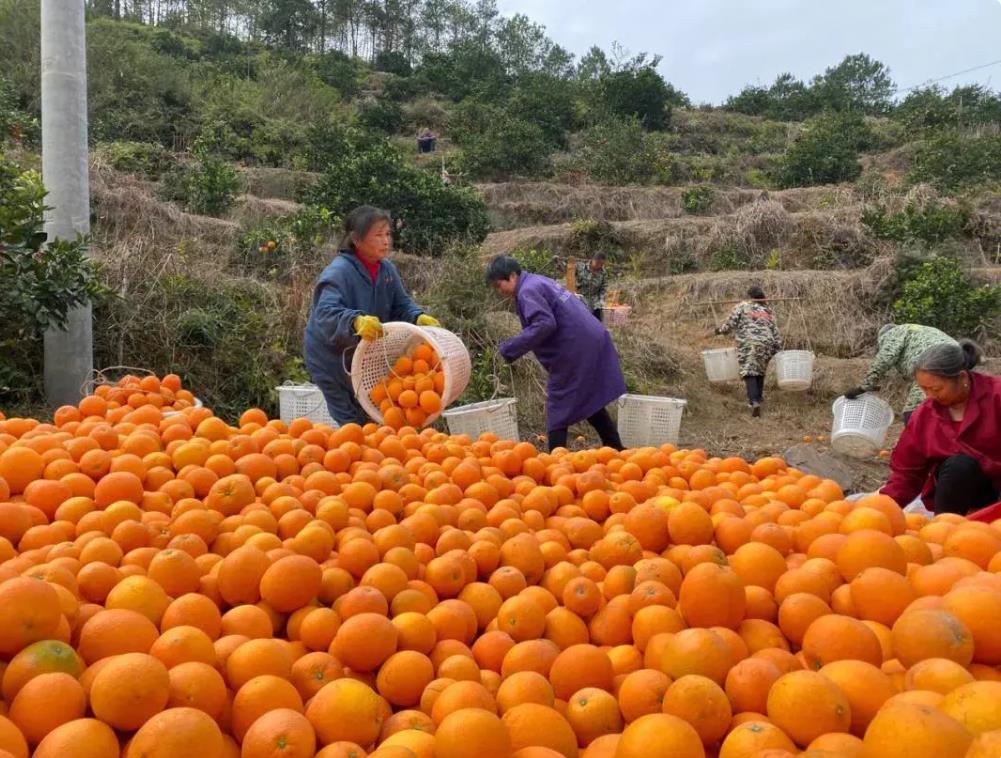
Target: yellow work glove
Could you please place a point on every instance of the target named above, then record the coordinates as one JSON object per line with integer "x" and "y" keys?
{"x": 368, "y": 327}
{"x": 426, "y": 320}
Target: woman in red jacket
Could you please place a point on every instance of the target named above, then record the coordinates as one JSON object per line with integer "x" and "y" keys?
{"x": 950, "y": 451}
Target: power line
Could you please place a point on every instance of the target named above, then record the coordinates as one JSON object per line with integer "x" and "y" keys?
{"x": 950, "y": 76}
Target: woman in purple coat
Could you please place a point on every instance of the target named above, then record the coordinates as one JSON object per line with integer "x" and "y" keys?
{"x": 573, "y": 346}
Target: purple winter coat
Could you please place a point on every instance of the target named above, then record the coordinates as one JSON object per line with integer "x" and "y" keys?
{"x": 571, "y": 344}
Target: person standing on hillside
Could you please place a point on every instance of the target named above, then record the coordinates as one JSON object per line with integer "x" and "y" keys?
{"x": 359, "y": 290}
{"x": 592, "y": 283}
{"x": 752, "y": 323}
{"x": 576, "y": 350}
{"x": 898, "y": 347}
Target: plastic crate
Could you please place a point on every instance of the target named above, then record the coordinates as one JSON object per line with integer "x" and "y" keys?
{"x": 303, "y": 401}
{"x": 617, "y": 316}
{"x": 649, "y": 421}
{"x": 499, "y": 416}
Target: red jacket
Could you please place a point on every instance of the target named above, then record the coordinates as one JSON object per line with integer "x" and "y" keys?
{"x": 932, "y": 436}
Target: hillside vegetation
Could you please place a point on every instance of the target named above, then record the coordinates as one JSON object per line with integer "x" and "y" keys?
{"x": 228, "y": 142}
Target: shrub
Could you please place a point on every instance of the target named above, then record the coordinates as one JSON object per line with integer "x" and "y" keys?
{"x": 931, "y": 223}
{"x": 639, "y": 93}
{"x": 589, "y": 236}
{"x": 207, "y": 187}
{"x": 617, "y": 152}
{"x": 382, "y": 115}
{"x": 827, "y": 152}
{"x": 42, "y": 282}
{"x": 952, "y": 160}
{"x": 275, "y": 247}
{"x": 15, "y": 124}
{"x": 539, "y": 261}
{"x": 508, "y": 147}
{"x": 729, "y": 257}
{"x": 698, "y": 200}
{"x": 149, "y": 159}
{"x": 433, "y": 215}
{"x": 940, "y": 293}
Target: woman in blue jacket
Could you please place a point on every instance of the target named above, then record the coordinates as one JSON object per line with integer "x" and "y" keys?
{"x": 359, "y": 290}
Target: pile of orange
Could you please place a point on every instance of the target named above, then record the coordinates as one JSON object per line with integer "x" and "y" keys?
{"x": 410, "y": 394}
{"x": 176, "y": 586}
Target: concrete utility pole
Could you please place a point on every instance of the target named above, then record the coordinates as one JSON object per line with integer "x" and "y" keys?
{"x": 69, "y": 354}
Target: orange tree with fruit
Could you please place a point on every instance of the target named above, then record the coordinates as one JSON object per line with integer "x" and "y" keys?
{"x": 174, "y": 585}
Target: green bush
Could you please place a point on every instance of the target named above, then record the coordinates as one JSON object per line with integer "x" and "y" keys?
{"x": 952, "y": 160}
{"x": 827, "y": 152}
{"x": 539, "y": 261}
{"x": 730, "y": 256}
{"x": 508, "y": 147}
{"x": 617, "y": 152}
{"x": 382, "y": 115}
{"x": 589, "y": 236}
{"x": 149, "y": 159}
{"x": 207, "y": 186}
{"x": 940, "y": 293}
{"x": 275, "y": 247}
{"x": 931, "y": 223}
{"x": 434, "y": 215}
{"x": 639, "y": 93}
{"x": 15, "y": 124}
{"x": 42, "y": 282}
{"x": 698, "y": 200}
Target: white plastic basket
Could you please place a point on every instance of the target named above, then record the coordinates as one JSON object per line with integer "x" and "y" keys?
{"x": 648, "y": 421}
{"x": 618, "y": 316}
{"x": 794, "y": 370}
{"x": 499, "y": 416}
{"x": 721, "y": 364}
{"x": 860, "y": 426}
{"x": 303, "y": 401}
{"x": 374, "y": 359}
{"x": 197, "y": 404}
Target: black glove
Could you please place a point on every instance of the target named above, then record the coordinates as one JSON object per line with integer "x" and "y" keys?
{"x": 854, "y": 393}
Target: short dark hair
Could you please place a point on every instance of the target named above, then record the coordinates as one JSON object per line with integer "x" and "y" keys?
{"x": 599, "y": 256}
{"x": 949, "y": 360}
{"x": 756, "y": 293}
{"x": 501, "y": 267}
{"x": 360, "y": 221}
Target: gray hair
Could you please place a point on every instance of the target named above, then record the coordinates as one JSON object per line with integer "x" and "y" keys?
{"x": 950, "y": 360}
{"x": 885, "y": 330}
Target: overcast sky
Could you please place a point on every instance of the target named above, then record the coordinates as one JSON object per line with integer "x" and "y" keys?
{"x": 712, "y": 48}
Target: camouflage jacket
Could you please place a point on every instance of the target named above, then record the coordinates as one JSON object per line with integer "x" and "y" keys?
{"x": 900, "y": 349}
{"x": 753, "y": 326}
{"x": 591, "y": 285}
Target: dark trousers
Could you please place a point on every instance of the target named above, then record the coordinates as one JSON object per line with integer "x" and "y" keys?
{"x": 755, "y": 389}
{"x": 597, "y": 314}
{"x": 961, "y": 486}
{"x": 603, "y": 425}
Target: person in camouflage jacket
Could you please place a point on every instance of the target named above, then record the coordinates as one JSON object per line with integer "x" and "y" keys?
{"x": 898, "y": 347}
{"x": 752, "y": 323}
{"x": 592, "y": 283}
